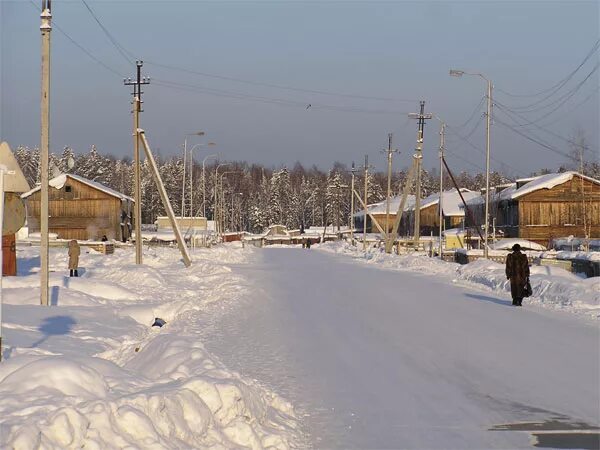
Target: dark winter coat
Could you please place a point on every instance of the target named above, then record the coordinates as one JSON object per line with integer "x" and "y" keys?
{"x": 517, "y": 271}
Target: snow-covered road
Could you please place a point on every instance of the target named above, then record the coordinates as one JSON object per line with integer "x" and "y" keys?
{"x": 376, "y": 358}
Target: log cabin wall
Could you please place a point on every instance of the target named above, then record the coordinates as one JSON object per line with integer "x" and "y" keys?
{"x": 78, "y": 211}
{"x": 559, "y": 212}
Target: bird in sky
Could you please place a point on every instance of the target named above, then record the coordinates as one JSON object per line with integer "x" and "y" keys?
{"x": 308, "y": 106}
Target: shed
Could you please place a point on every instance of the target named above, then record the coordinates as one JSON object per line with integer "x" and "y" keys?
{"x": 81, "y": 209}
{"x": 546, "y": 207}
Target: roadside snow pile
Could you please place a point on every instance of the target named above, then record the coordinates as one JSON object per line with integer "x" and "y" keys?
{"x": 91, "y": 372}
{"x": 553, "y": 287}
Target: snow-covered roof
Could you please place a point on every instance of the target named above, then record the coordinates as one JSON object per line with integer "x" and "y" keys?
{"x": 533, "y": 184}
{"x": 547, "y": 182}
{"x": 380, "y": 207}
{"x": 59, "y": 181}
{"x": 451, "y": 201}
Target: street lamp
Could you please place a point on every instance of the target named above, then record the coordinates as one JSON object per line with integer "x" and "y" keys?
{"x": 460, "y": 73}
{"x": 204, "y": 183}
{"x": 215, "y": 206}
{"x": 221, "y": 207}
{"x": 209, "y": 144}
{"x": 197, "y": 133}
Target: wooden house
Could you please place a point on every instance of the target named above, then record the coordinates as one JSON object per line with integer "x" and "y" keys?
{"x": 81, "y": 209}
{"x": 453, "y": 212}
{"x": 542, "y": 208}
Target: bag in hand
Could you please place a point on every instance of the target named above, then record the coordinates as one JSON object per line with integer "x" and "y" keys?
{"x": 527, "y": 291}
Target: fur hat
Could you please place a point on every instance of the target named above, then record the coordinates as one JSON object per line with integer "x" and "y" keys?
{"x": 516, "y": 248}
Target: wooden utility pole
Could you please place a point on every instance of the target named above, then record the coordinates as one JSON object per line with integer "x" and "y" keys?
{"x": 419, "y": 160}
{"x": 45, "y": 28}
{"x": 137, "y": 109}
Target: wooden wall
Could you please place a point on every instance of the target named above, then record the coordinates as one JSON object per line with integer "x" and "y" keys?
{"x": 559, "y": 212}
{"x": 84, "y": 213}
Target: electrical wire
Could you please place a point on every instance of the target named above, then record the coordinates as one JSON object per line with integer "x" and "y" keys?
{"x": 560, "y": 99}
{"x": 574, "y": 108}
{"x": 277, "y": 86}
{"x": 451, "y": 129}
{"x": 475, "y": 111}
{"x": 560, "y": 83}
{"x": 534, "y": 140}
{"x": 124, "y": 53}
{"x": 270, "y": 100}
{"x": 79, "y": 46}
{"x": 571, "y": 94}
{"x": 505, "y": 111}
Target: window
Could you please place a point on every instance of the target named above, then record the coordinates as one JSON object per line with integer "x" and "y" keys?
{"x": 67, "y": 188}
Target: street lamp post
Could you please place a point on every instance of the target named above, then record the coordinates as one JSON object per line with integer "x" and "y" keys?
{"x": 216, "y": 203}
{"x": 210, "y": 144}
{"x": 460, "y": 73}
{"x": 204, "y": 183}
{"x": 198, "y": 133}
{"x": 221, "y": 208}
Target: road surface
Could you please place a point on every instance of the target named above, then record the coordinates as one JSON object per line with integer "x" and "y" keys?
{"x": 375, "y": 358}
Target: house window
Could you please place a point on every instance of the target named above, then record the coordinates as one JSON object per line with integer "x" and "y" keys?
{"x": 67, "y": 188}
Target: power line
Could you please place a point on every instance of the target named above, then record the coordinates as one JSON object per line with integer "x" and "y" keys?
{"x": 560, "y": 83}
{"x": 566, "y": 96}
{"x": 269, "y": 100}
{"x": 536, "y": 141}
{"x": 277, "y": 86}
{"x": 482, "y": 151}
{"x": 79, "y": 46}
{"x": 507, "y": 112}
{"x": 475, "y": 111}
{"x": 128, "y": 56}
{"x": 572, "y": 93}
{"x": 574, "y": 108}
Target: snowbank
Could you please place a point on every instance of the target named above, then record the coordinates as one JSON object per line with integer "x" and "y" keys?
{"x": 91, "y": 372}
{"x": 553, "y": 287}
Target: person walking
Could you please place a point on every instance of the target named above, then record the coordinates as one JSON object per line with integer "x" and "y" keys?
{"x": 517, "y": 271}
{"x": 74, "y": 252}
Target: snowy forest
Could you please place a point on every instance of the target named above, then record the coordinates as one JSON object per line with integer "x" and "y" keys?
{"x": 255, "y": 196}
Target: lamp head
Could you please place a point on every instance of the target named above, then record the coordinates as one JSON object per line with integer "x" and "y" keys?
{"x": 456, "y": 73}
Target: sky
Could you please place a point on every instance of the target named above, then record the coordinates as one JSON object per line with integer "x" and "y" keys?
{"x": 275, "y": 82}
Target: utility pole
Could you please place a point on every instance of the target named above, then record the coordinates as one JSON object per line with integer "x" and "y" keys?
{"x": 366, "y": 203}
{"x": 45, "y": 28}
{"x": 440, "y": 204}
{"x": 390, "y": 153}
{"x": 488, "y": 117}
{"x": 137, "y": 109}
{"x": 419, "y": 161}
{"x": 352, "y": 206}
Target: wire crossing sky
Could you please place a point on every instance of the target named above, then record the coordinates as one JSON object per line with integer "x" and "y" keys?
{"x": 315, "y": 82}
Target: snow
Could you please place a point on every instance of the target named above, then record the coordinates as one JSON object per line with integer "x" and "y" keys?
{"x": 553, "y": 287}
{"x": 291, "y": 348}
{"x": 380, "y": 207}
{"x": 59, "y": 181}
{"x": 388, "y": 352}
{"x": 451, "y": 201}
{"x": 507, "y": 244}
{"x": 90, "y": 372}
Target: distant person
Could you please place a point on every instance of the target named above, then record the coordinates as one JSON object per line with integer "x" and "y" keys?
{"x": 104, "y": 238}
{"x": 74, "y": 252}
{"x": 308, "y": 243}
{"x": 517, "y": 271}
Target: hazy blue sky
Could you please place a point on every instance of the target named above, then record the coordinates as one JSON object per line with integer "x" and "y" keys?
{"x": 396, "y": 50}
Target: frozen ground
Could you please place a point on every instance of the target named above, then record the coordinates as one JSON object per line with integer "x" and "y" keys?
{"x": 91, "y": 372}
{"x": 380, "y": 358}
{"x": 368, "y": 351}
